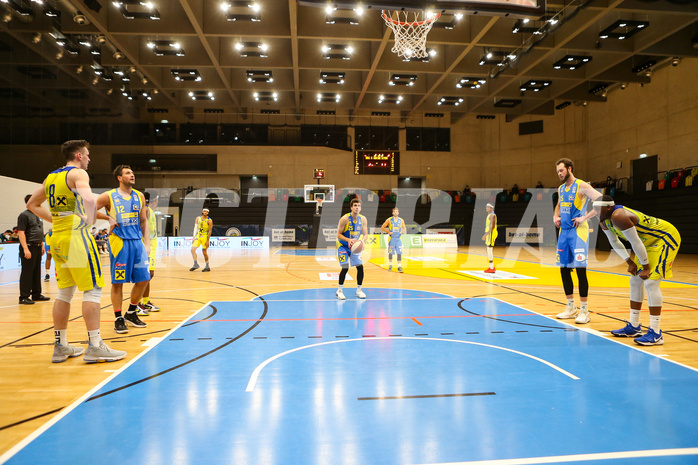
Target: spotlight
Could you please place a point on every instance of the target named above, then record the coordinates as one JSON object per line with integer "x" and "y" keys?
{"x": 132, "y": 69}
{"x": 80, "y": 19}
{"x": 59, "y": 54}
{"x": 144, "y": 80}
{"x": 623, "y": 85}
{"x": 36, "y": 38}
{"x": 118, "y": 55}
{"x": 101, "y": 40}
{"x": 675, "y": 61}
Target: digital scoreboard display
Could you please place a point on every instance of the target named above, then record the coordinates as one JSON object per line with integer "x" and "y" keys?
{"x": 376, "y": 162}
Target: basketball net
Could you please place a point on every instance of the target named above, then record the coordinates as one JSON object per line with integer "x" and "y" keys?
{"x": 318, "y": 206}
{"x": 410, "y": 36}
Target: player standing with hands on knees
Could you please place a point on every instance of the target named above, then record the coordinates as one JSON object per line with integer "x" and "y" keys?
{"x": 395, "y": 227}
{"x": 352, "y": 227}
{"x": 573, "y": 242}
{"x": 655, "y": 243}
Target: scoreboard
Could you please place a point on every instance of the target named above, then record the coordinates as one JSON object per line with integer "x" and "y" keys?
{"x": 376, "y": 162}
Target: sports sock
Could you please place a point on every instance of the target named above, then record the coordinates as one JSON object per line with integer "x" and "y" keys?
{"x": 584, "y": 306}
{"x": 131, "y": 307}
{"x": 61, "y": 336}
{"x": 570, "y": 303}
{"x": 95, "y": 337}
{"x": 117, "y": 314}
{"x": 654, "y": 322}
{"x": 635, "y": 317}
{"x": 145, "y": 300}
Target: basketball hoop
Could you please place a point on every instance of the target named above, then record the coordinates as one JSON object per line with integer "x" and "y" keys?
{"x": 410, "y": 36}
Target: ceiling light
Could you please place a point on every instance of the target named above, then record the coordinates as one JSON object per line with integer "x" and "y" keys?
{"x": 507, "y": 103}
{"x": 328, "y": 97}
{"x": 337, "y": 51}
{"x": 402, "y": 80}
{"x": 186, "y": 75}
{"x": 572, "y": 62}
{"x": 471, "y": 82}
{"x": 623, "y": 29}
{"x": 265, "y": 96}
{"x": 390, "y": 98}
{"x": 327, "y": 77}
{"x": 241, "y": 11}
{"x": 201, "y": 95}
{"x": 137, "y": 9}
{"x": 450, "y": 100}
{"x": 252, "y": 49}
{"x": 535, "y": 85}
{"x": 165, "y": 47}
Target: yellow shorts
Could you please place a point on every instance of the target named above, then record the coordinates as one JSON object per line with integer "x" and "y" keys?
{"x": 77, "y": 260}
{"x": 661, "y": 258}
{"x": 200, "y": 242}
{"x": 153, "y": 253}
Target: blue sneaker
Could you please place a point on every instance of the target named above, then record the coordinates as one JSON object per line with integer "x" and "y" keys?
{"x": 651, "y": 338}
{"x": 628, "y": 331}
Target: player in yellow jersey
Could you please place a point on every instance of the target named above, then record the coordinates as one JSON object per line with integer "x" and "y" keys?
{"x": 655, "y": 243}
{"x": 72, "y": 212}
{"x": 490, "y": 236}
{"x": 203, "y": 226}
{"x": 146, "y": 306}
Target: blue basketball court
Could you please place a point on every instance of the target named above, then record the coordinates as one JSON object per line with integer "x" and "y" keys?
{"x": 403, "y": 377}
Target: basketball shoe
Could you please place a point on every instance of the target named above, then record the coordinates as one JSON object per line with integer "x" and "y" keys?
{"x": 360, "y": 294}
{"x": 132, "y": 319}
{"x": 628, "y": 331}
{"x": 102, "y": 353}
{"x": 61, "y": 352}
{"x": 570, "y": 312}
{"x": 340, "y": 295}
{"x": 490, "y": 270}
{"x": 651, "y": 338}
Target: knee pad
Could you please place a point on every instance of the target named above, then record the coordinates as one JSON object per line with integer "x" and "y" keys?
{"x": 654, "y": 294}
{"x": 66, "y": 294}
{"x": 637, "y": 291}
{"x": 93, "y": 295}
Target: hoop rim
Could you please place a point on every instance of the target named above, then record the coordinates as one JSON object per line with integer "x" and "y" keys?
{"x": 388, "y": 19}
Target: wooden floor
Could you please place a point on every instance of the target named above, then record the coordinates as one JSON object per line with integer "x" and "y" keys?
{"x": 33, "y": 390}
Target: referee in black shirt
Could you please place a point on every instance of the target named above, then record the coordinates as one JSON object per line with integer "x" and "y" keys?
{"x": 31, "y": 237}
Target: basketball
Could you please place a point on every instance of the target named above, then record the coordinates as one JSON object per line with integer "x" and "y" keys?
{"x": 357, "y": 247}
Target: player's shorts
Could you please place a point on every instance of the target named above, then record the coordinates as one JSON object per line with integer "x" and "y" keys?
{"x": 153, "y": 253}
{"x": 345, "y": 256}
{"x": 493, "y": 237}
{"x": 129, "y": 262}
{"x": 200, "y": 242}
{"x": 77, "y": 260}
{"x": 47, "y": 243}
{"x": 573, "y": 247}
{"x": 395, "y": 246}
{"x": 661, "y": 258}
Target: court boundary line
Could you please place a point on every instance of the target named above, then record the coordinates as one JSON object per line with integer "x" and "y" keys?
{"x": 82, "y": 399}
{"x": 255, "y": 374}
{"x": 582, "y": 457}
{"x": 597, "y": 333}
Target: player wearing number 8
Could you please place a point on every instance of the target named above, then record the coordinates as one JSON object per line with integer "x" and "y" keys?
{"x": 72, "y": 212}
{"x": 350, "y": 229}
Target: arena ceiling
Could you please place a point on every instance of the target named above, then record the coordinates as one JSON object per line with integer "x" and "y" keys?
{"x": 191, "y": 58}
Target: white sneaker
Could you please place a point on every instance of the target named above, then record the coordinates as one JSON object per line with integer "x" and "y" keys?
{"x": 103, "y": 353}
{"x": 340, "y": 295}
{"x": 570, "y": 312}
{"x": 360, "y": 294}
{"x": 583, "y": 317}
{"x": 399, "y": 269}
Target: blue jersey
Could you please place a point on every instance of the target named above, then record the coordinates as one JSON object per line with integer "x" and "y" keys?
{"x": 571, "y": 204}
{"x": 395, "y": 227}
{"x": 352, "y": 230}
{"x": 126, "y": 211}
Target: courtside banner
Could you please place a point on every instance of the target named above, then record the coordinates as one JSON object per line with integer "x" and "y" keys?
{"x": 283, "y": 235}
{"x": 223, "y": 242}
{"x": 9, "y": 257}
{"x": 439, "y": 241}
{"x": 528, "y": 235}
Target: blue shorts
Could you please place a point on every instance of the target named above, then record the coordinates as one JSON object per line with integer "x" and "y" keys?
{"x": 395, "y": 246}
{"x": 345, "y": 256}
{"x": 129, "y": 262}
{"x": 573, "y": 247}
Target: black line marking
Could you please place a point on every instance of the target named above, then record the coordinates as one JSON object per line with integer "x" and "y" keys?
{"x": 507, "y": 321}
{"x": 395, "y": 335}
{"x": 254, "y": 325}
{"x": 288, "y": 337}
{"x": 546, "y": 330}
{"x": 369, "y": 335}
{"x": 523, "y": 331}
{"x": 259, "y": 337}
{"x": 473, "y": 332}
{"x": 429, "y": 396}
{"x": 314, "y": 337}
{"x": 176, "y": 339}
{"x": 204, "y": 338}
{"x": 447, "y": 334}
{"x": 341, "y": 336}
{"x": 424, "y": 334}
{"x": 497, "y": 332}
{"x": 31, "y": 418}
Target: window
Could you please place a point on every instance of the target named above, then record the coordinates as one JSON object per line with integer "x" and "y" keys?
{"x": 428, "y": 139}
{"x": 376, "y": 138}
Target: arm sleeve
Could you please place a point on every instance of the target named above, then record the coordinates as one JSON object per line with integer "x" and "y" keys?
{"x": 617, "y": 244}
{"x": 638, "y": 247}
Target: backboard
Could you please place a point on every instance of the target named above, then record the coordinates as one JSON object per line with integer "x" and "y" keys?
{"x": 313, "y": 192}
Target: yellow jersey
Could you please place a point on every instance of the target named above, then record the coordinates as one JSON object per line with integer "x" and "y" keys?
{"x": 66, "y": 206}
